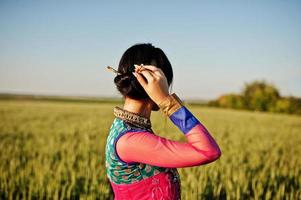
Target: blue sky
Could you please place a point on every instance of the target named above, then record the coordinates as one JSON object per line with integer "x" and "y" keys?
{"x": 62, "y": 48}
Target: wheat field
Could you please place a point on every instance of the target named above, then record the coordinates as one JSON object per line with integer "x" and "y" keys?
{"x": 55, "y": 150}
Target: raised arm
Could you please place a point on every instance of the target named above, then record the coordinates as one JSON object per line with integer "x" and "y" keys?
{"x": 145, "y": 147}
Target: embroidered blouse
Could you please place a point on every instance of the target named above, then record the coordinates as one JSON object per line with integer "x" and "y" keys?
{"x": 142, "y": 165}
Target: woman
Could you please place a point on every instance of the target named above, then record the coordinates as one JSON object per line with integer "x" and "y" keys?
{"x": 140, "y": 164}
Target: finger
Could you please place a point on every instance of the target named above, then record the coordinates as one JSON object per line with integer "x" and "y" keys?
{"x": 148, "y": 75}
{"x": 138, "y": 67}
{"x": 149, "y": 67}
{"x": 154, "y": 69}
{"x": 140, "y": 79}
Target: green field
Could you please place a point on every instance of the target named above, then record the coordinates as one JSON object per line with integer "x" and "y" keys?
{"x": 55, "y": 150}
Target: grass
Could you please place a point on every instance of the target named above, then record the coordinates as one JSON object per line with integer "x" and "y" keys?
{"x": 55, "y": 150}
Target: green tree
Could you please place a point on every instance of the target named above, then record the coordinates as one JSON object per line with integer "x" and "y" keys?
{"x": 288, "y": 105}
{"x": 231, "y": 101}
{"x": 261, "y": 96}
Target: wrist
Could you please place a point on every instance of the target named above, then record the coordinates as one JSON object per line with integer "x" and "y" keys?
{"x": 162, "y": 98}
{"x": 170, "y": 104}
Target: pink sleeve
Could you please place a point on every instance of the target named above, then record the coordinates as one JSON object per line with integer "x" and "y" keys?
{"x": 148, "y": 148}
{"x": 144, "y": 147}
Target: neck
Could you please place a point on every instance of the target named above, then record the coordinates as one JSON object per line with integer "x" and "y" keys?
{"x": 142, "y": 108}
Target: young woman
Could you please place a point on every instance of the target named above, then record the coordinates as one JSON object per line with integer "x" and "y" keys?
{"x": 140, "y": 164}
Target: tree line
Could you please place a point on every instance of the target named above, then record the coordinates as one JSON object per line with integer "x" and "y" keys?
{"x": 259, "y": 96}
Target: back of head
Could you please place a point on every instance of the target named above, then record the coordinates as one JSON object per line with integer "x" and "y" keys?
{"x": 146, "y": 54}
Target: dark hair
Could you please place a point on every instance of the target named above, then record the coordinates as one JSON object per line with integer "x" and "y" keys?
{"x": 146, "y": 54}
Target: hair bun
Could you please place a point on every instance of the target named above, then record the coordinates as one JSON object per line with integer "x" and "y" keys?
{"x": 123, "y": 82}
{"x": 128, "y": 85}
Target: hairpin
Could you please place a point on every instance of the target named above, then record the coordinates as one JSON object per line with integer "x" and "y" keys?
{"x": 131, "y": 69}
{"x": 113, "y": 70}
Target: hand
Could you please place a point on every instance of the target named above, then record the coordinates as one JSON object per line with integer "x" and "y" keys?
{"x": 154, "y": 82}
